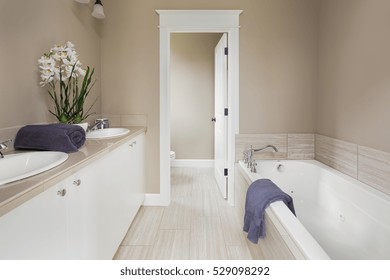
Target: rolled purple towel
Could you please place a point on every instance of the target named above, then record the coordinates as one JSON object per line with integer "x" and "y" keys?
{"x": 260, "y": 194}
{"x": 50, "y": 137}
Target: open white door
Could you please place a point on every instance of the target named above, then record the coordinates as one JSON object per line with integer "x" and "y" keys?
{"x": 220, "y": 118}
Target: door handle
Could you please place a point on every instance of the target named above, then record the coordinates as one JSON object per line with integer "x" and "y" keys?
{"x": 213, "y": 119}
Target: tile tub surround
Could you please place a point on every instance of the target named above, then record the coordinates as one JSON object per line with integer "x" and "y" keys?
{"x": 368, "y": 165}
{"x": 374, "y": 168}
{"x": 14, "y": 194}
{"x": 290, "y": 146}
{"x": 338, "y": 154}
{"x": 300, "y": 146}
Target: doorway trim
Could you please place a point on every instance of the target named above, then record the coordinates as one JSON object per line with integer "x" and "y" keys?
{"x": 196, "y": 21}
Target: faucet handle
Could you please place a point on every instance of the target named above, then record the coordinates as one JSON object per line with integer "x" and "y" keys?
{"x": 3, "y": 145}
{"x": 253, "y": 166}
{"x": 246, "y": 157}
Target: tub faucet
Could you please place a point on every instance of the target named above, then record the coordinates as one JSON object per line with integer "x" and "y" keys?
{"x": 268, "y": 146}
{"x": 3, "y": 147}
{"x": 248, "y": 156}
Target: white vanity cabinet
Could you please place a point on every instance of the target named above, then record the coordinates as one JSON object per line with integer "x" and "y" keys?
{"x": 35, "y": 229}
{"x": 82, "y": 212}
{"x": 85, "y": 216}
{"x": 121, "y": 193}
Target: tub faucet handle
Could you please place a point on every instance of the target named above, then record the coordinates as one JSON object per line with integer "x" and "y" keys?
{"x": 3, "y": 146}
{"x": 246, "y": 156}
{"x": 249, "y": 156}
{"x": 253, "y": 166}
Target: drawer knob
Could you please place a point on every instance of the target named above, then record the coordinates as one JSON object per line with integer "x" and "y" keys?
{"x": 61, "y": 192}
{"x": 77, "y": 182}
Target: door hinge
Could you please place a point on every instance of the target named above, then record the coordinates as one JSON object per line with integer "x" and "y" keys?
{"x": 226, "y": 51}
{"x": 226, "y": 112}
{"x": 225, "y": 172}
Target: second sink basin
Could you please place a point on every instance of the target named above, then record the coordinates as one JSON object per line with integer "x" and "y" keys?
{"x": 22, "y": 165}
{"x": 107, "y": 133}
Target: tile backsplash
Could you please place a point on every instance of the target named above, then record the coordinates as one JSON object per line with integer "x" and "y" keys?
{"x": 368, "y": 165}
{"x": 127, "y": 120}
{"x": 337, "y": 154}
{"x": 290, "y": 146}
{"x": 365, "y": 164}
{"x": 300, "y": 146}
{"x": 243, "y": 142}
{"x": 374, "y": 168}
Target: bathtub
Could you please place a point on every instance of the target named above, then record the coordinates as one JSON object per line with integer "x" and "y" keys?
{"x": 337, "y": 217}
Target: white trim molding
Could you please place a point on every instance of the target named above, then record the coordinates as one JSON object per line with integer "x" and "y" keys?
{"x": 197, "y": 21}
{"x": 193, "y": 163}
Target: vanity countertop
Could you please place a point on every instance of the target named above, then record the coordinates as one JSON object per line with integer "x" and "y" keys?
{"x": 14, "y": 194}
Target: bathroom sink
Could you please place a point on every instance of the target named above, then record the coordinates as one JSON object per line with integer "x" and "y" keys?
{"x": 22, "y": 165}
{"x": 107, "y": 133}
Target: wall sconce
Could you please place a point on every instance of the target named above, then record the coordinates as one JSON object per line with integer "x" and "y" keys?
{"x": 97, "y": 8}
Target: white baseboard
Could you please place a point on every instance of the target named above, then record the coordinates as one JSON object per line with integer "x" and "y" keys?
{"x": 155, "y": 199}
{"x": 192, "y": 163}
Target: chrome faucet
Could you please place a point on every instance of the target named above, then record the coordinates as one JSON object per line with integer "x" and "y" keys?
{"x": 99, "y": 124}
{"x": 93, "y": 127}
{"x": 248, "y": 156}
{"x": 268, "y": 146}
{"x": 3, "y": 147}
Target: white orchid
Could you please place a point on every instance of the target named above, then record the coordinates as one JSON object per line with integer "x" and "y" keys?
{"x": 62, "y": 65}
{"x": 47, "y": 66}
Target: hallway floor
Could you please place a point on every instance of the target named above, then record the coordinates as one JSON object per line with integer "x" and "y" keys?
{"x": 198, "y": 224}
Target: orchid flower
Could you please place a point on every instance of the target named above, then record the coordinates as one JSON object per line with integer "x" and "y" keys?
{"x": 62, "y": 65}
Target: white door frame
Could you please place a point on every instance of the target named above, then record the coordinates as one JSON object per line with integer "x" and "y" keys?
{"x": 196, "y": 21}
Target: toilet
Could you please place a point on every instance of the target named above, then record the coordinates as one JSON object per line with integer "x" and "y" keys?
{"x": 173, "y": 156}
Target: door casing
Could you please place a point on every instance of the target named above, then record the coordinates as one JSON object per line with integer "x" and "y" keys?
{"x": 196, "y": 21}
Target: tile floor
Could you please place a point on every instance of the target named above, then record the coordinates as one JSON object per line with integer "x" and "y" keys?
{"x": 198, "y": 224}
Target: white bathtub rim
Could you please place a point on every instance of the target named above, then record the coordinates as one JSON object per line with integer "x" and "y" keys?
{"x": 306, "y": 244}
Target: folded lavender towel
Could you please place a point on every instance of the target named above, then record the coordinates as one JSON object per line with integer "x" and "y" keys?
{"x": 261, "y": 193}
{"x": 50, "y": 137}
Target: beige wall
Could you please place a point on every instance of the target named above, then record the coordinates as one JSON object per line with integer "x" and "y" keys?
{"x": 192, "y": 94}
{"x": 27, "y": 30}
{"x": 278, "y": 65}
{"x": 354, "y": 86}
{"x": 289, "y": 51}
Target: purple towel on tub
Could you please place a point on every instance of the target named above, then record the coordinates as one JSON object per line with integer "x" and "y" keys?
{"x": 50, "y": 137}
{"x": 261, "y": 193}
